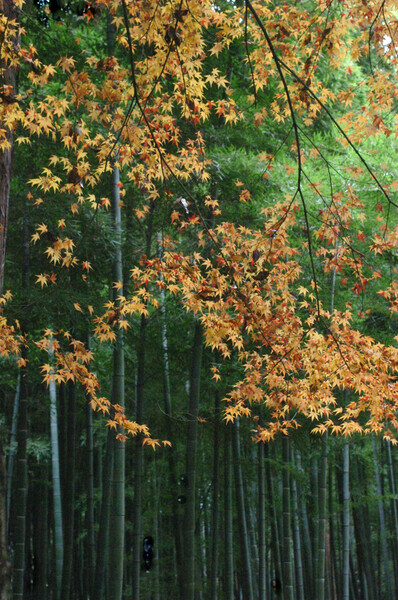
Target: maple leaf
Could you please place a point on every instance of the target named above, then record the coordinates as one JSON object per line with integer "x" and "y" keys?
{"x": 42, "y": 278}
{"x": 150, "y": 442}
{"x": 66, "y": 63}
{"x": 175, "y": 216}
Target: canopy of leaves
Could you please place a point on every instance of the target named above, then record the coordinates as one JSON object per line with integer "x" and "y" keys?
{"x": 249, "y": 134}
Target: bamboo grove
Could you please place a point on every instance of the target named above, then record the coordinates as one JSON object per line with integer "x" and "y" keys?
{"x": 198, "y": 319}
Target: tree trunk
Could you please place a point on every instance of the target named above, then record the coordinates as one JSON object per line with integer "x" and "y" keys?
{"x": 101, "y": 565}
{"x": 366, "y": 565}
{"x": 11, "y": 12}
{"x": 117, "y": 512}
{"x": 138, "y": 460}
{"x": 306, "y": 546}
{"x": 275, "y": 538}
{"x": 346, "y": 522}
{"x": 322, "y": 519}
{"x": 157, "y": 559}
{"x": 394, "y": 511}
{"x": 190, "y": 469}
{"x": 246, "y": 570}
{"x": 386, "y": 574}
{"x": 169, "y": 433}
{"x": 288, "y": 582}
{"x": 20, "y": 492}
{"x": 262, "y": 577}
{"x": 228, "y": 523}
{"x": 90, "y": 542}
{"x": 57, "y": 501}
{"x": 69, "y": 496}
{"x": 40, "y": 519}
{"x": 297, "y": 540}
{"x": 4, "y": 562}
{"x": 214, "y": 525}
{"x": 13, "y": 446}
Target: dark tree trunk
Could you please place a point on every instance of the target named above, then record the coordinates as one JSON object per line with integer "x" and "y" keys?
{"x": 90, "y": 542}
{"x": 167, "y": 402}
{"x": 214, "y": 527}
{"x": 20, "y": 487}
{"x": 262, "y": 577}
{"x": 364, "y": 543}
{"x": 322, "y": 522}
{"x": 192, "y": 441}
{"x": 138, "y": 462}
{"x": 275, "y": 538}
{"x": 288, "y": 581}
{"x": 246, "y": 571}
{"x": 117, "y": 510}
{"x": 20, "y": 493}
{"x": 69, "y": 497}
{"x": 228, "y": 522}
{"x": 101, "y": 567}
{"x": 13, "y": 446}
{"x": 8, "y": 80}
{"x": 138, "y": 459}
{"x": 40, "y": 518}
{"x": 297, "y": 538}
{"x": 4, "y": 562}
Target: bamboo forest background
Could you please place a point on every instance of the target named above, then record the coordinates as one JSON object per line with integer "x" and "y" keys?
{"x": 145, "y": 451}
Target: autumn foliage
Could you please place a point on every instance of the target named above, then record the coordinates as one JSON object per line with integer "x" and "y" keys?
{"x": 261, "y": 289}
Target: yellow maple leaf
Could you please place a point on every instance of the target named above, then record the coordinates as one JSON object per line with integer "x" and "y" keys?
{"x": 42, "y": 279}
{"x": 150, "y": 442}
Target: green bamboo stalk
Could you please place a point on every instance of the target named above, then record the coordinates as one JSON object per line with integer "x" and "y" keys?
{"x": 117, "y": 510}
{"x": 167, "y": 403}
{"x": 138, "y": 463}
{"x": 247, "y": 578}
{"x": 13, "y": 445}
{"x": 228, "y": 518}
{"x": 385, "y": 567}
{"x": 56, "y": 479}
{"x": 297, "y": 539}
{"x": 364, "y": 543}
{"x": 20, "y": 494}
{"x": 346, "y": 522}
{"x": 101, "y": 565}
{"x": 157, "y": 558}
{"x": 191, "y": 462}
{"x": 322, "y": 520}
{"x": 214, "y": 525}
{"x": 69, "y": 496}
{"x": 288, "y": 581}
{"x": 90, "y": 543}
{"x": 21, "y": 471}
{"x": 262, "y": 576}
{"x": 394, "y": 511}
{"x": 138, "y": 458}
